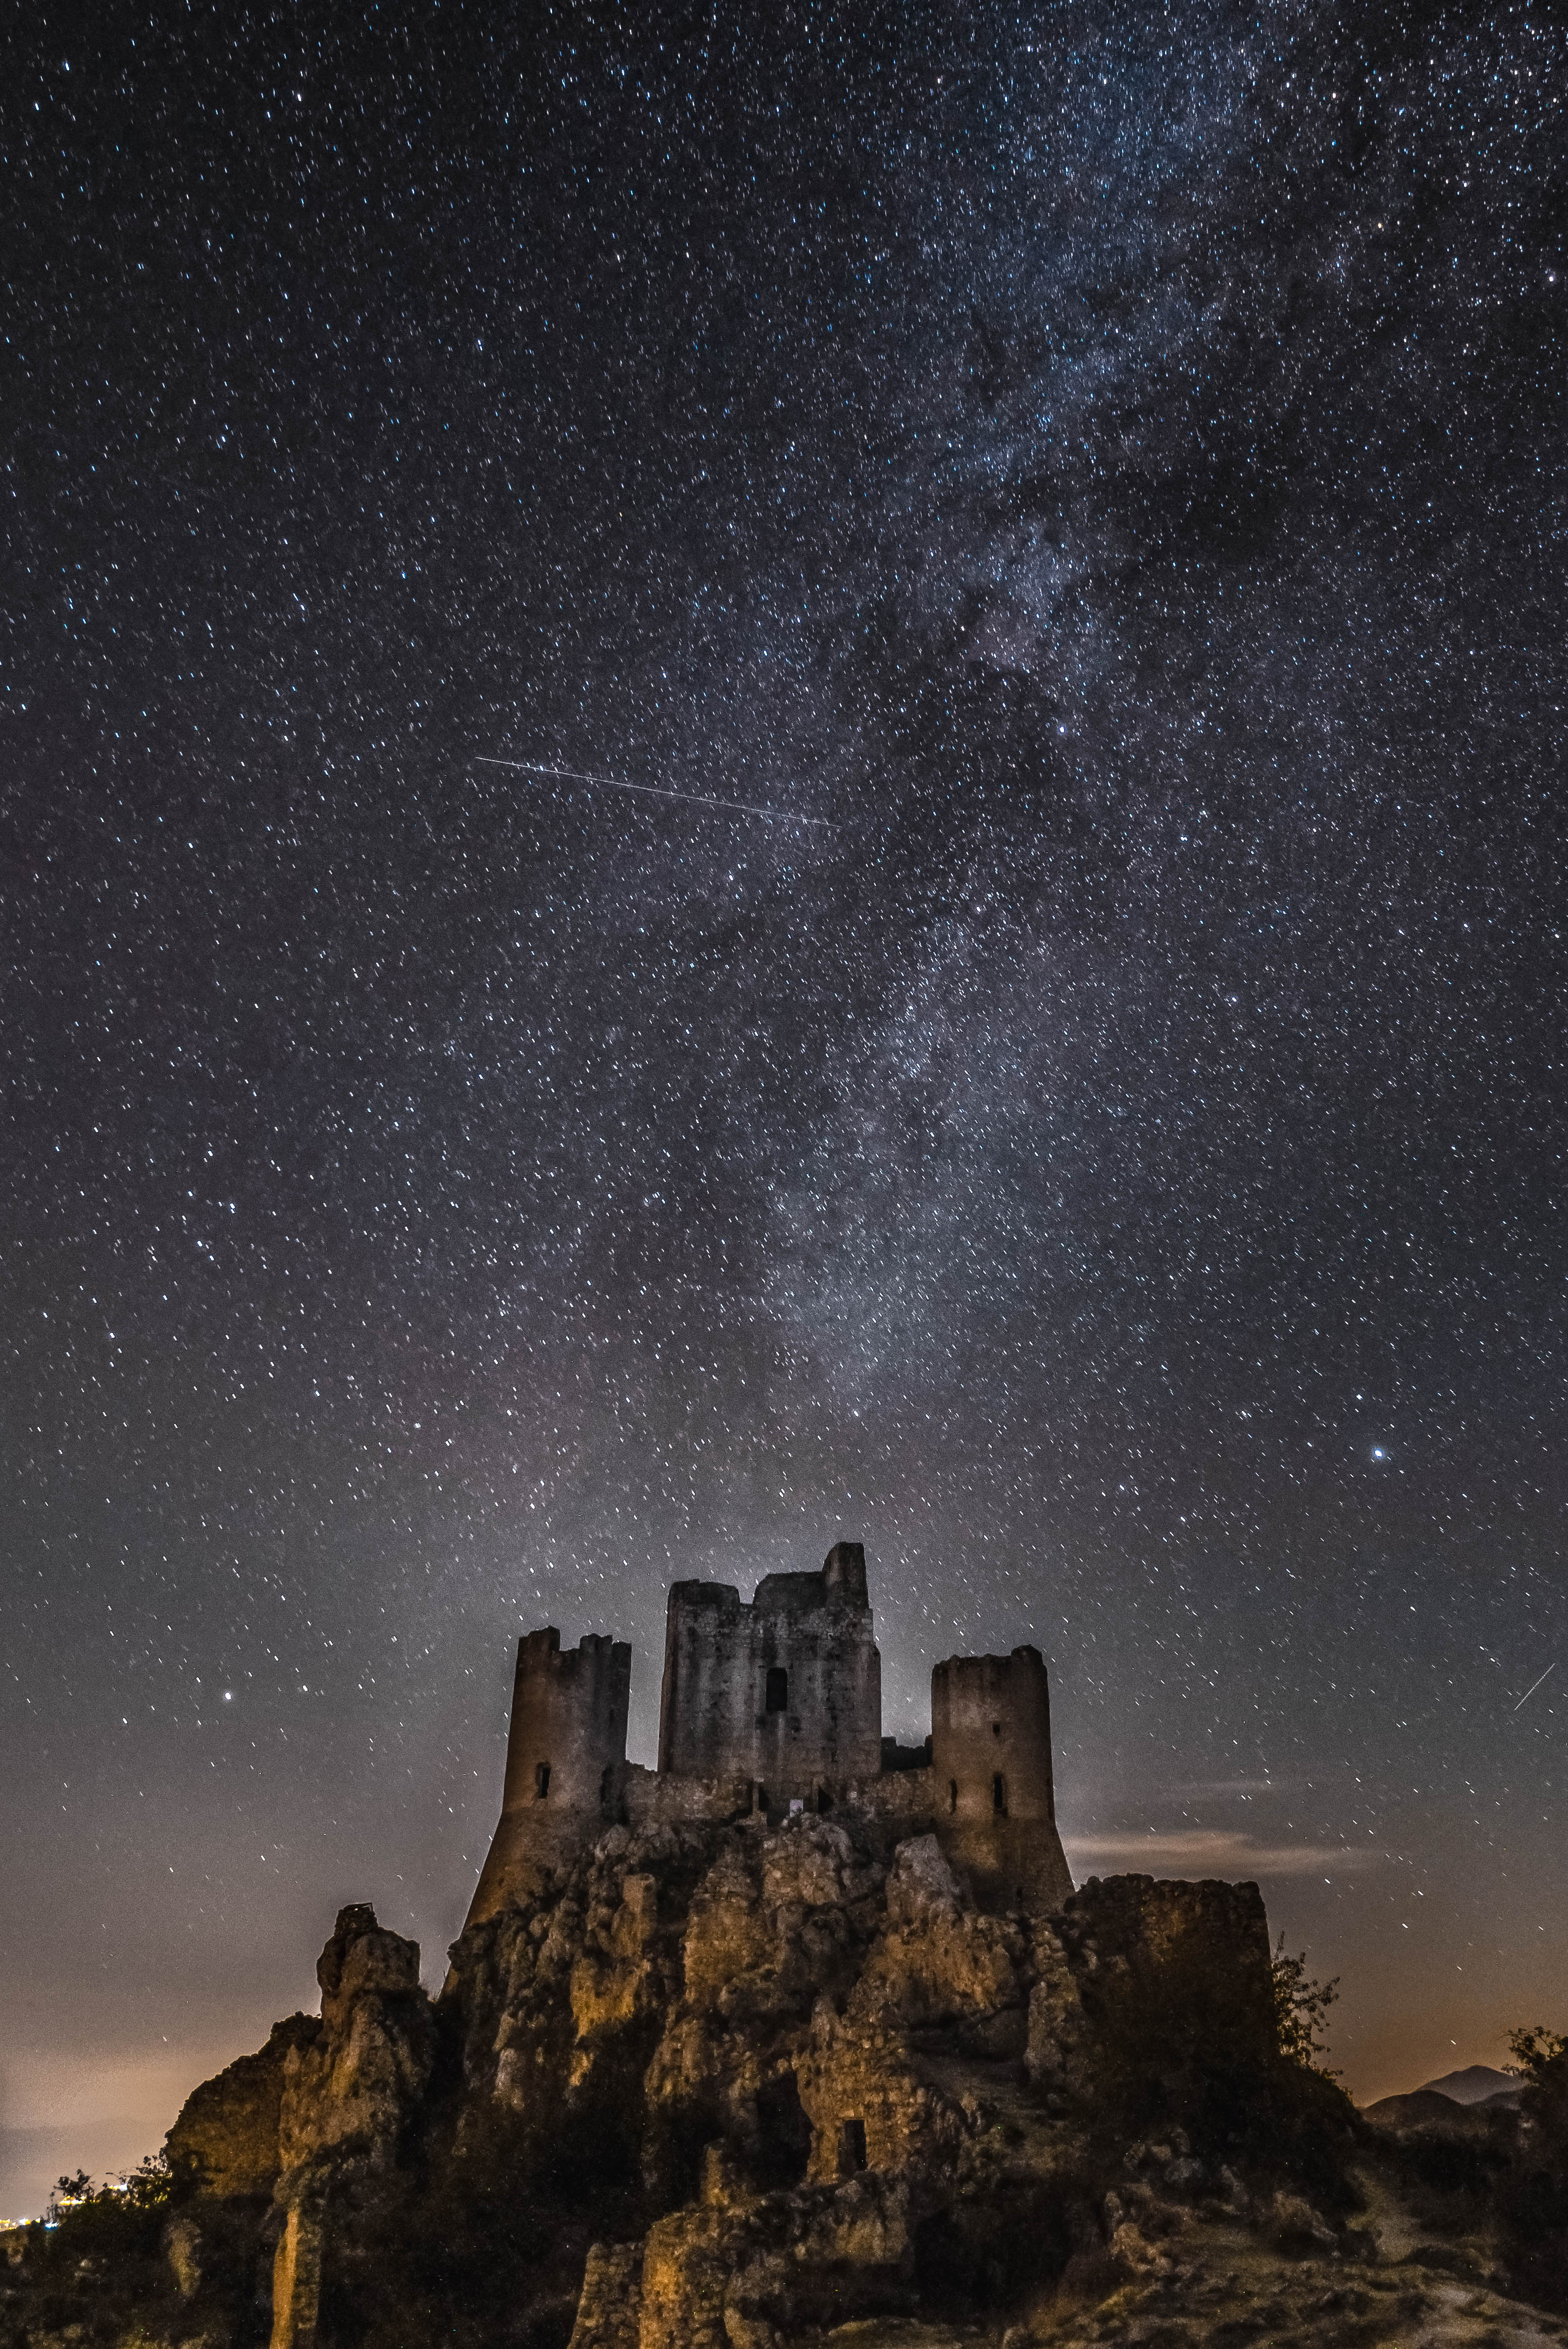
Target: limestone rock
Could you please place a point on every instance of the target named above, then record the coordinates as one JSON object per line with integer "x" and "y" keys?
{"x": 1292, "y": 2223}
{"x": 296, "y": 2277}
{"x": 749, "y": 2085}
{"x": 226, "y": 2136}
{"x": 1057, "y": 2030}
{"x": 361, "y": 1958}
{"x": 922, "y": 1888}
{"x": 183, "y": 2250}
{"x": 938, "y": 1959}
{"x": 356, "y": 2084}
{"x": 1131, "y": 2251}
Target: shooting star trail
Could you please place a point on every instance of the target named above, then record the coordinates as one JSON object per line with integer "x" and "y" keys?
{"x": 656, "y": 790}
{"x": 1552, "y": 1667}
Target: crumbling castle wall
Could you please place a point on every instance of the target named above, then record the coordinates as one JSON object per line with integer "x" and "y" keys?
{"x": 771, "y": 1706}
{"x": 786, "y": 1691}
{"x": 565, "y": 1760}
{"x": 1133, "y": 1941}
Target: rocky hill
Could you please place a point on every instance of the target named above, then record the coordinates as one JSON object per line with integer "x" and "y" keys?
{"x": 716, "y": 2087}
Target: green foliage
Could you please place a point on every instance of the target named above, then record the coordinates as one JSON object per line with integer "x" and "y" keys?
{"x": 1300, "y": 2005}
{"x": 1533, "y": 2052}
{"x": 99, "y": 2261}
{"x": 149, "y": 2187}
{"x": 1534, "y": 2198}
{"x": 111, "y": 2223}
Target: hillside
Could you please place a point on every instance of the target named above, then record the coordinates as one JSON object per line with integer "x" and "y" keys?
{"x": 719, "y": 2087}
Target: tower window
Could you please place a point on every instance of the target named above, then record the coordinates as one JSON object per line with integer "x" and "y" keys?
{"x": 607, "y": 1787}
{"x": 1000, "y": 1796}
{"x": 778, "y": 1688}
{"x": 851, "y": 2148}
{"x": 952, "y": 1793}
{"x": 540, "y": 1781}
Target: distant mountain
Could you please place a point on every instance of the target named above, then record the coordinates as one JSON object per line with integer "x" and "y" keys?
{"x": 1477, "y": 2083}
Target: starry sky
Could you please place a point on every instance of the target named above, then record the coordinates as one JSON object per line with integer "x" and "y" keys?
{"x": 1095, "y": 476}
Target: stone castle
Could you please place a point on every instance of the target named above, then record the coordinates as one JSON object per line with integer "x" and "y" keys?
{"x": 771, "y": 1708}
{"x": 798, "y": 2034}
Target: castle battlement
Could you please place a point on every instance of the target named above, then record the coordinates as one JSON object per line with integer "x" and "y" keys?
{"x": 786, "y": 1691}
{"x": 774, "y": 1705}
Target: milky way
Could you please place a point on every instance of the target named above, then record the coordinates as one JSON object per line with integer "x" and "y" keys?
{"x": 1104, "y": 469}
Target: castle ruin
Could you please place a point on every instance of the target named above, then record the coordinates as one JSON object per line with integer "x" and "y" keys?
{"x": 772, "y": 1707}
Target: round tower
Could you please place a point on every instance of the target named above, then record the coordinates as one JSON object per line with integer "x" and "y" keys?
{"x": 564, "y": 1753}
{"x": 991, "y": 1773}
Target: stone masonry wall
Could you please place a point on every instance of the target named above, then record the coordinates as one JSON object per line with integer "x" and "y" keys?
{"x": 786, "y": 1691}
{"x": 566, "y": 1747}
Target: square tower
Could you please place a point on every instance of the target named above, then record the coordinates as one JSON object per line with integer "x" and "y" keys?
{"x": 786, "y": 1691}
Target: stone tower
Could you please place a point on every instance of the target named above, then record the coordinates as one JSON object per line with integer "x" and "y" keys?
{"x": 991, "y": 1765}
{"x": 565, "y": 1752}
{"x": 786, "y": 1691}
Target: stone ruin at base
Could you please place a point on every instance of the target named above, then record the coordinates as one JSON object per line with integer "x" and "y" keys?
{"x": 772, "y": 1708}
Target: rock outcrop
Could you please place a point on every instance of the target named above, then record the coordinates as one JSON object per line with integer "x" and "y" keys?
{"x": 327, "y": 2100}
{"x": 227, "y": 2135}
{"x": 352, "y": 2087}
{"x": 713, "y": 2086}
{"x": 819, "y": 2083}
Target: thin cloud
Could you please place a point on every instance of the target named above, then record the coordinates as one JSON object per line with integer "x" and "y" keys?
{"x": 1235, "y": 1786}
{"x": 1204, "y": 1851}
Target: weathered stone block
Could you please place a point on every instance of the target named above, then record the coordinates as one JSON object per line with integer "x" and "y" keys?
{"x": 610, "y": 2307}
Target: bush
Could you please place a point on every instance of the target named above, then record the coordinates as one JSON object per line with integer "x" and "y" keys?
{"x": 1534, "y": 2196}
{"x": 109, "y": 2224}
{"x": 1300, "y": 2004}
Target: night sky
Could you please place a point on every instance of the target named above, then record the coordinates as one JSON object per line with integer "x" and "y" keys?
{"x": 1097, "y": 475}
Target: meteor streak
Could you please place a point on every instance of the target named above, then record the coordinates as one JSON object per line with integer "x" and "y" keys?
{"x": 1552, "y": 1667}
{"x": 656, "y": 790}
